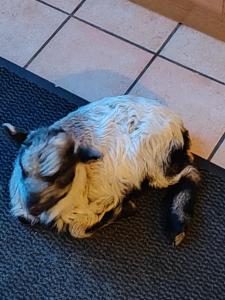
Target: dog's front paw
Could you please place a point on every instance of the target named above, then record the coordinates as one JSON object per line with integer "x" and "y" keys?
{"x": 78, "y": 231}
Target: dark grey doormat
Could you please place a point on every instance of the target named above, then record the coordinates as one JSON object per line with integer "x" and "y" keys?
{"x": 128, "y": 260}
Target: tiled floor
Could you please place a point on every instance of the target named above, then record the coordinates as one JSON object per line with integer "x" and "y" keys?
{"x": 97, "y": 48}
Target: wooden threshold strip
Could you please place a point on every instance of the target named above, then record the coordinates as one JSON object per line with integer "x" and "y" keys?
{"x": 207, "y": 19}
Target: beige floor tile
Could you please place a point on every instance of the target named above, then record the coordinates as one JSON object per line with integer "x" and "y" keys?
{"x": 128, "y": 20}
{"x": 198, "y": 51}
{"x": 24, "y": 26}
{"x": 219, "y": 157}
{"x": 200, "y": 101}
{"x": 88, "y": 62}
{"x": 67, "y": 5}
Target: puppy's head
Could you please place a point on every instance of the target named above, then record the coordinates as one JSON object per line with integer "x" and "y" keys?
{"x": 44, "y": 169}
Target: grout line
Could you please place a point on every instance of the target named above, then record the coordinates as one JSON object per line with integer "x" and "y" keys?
{"x": 168, "y": 38}
{"x": 114, "y": 35}
{"x": 128, "y": 41}
{"x": 46, "y": 42}
{"x": 78, "y": 7}
{"x": 190, "y": 69}
{"x": 219, "y": 143}
{"x": 123, "y": 39}
{"x": 98, "y": 27}
{"x": 52, "y": 6}
{"x": 140, "y": 75}
{"x": 152, "y": 59}
{"x": 61, "y": 10}
{"x": 54, "y": 33}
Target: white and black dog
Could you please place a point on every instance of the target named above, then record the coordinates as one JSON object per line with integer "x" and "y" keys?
{"x": 78, "y": 171}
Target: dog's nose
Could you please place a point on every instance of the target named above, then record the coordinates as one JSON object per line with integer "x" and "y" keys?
{"x": 32, "y": 201}
{"x": 23, "y": 220}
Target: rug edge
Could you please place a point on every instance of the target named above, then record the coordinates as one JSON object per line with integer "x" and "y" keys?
{"x": 41, "y": 82}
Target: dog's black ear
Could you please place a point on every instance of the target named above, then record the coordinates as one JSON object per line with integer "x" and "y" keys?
{"x": 88, "y": 153}
{"x": 16, "y": 134}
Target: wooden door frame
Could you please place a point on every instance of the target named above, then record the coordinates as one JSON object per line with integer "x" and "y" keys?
{"x": 190, "y": 14}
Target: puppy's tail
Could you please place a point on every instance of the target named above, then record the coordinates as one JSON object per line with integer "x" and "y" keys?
{"x": 182, "y": 194}
{"x": 182, "y": 197}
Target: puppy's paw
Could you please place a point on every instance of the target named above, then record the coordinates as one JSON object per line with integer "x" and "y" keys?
{"x": 176, "y": 230}
{"x": 178, "y": 239}
{"x": 78, "y": 231}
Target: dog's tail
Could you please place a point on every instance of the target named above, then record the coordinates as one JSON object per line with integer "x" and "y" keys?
{"x": 182, "y": 194}
{"x": 182, "y": 198}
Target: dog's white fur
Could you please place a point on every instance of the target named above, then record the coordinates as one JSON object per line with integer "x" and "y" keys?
{"x": 135, "y": 136}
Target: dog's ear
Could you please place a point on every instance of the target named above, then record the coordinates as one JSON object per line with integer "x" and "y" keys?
{"x": 88, "y": 153}
{"x": 16, "y": 134}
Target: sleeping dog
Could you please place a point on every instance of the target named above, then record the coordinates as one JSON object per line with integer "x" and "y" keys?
{"x": 77, "y": 172}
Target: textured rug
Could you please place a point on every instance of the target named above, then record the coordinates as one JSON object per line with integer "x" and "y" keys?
{"x": 131, "y": 259}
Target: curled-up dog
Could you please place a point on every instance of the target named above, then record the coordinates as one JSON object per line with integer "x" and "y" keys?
{"x": 77, "y": 172}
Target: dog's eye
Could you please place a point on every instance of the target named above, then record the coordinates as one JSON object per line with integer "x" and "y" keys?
{"x": 24, "y": 172}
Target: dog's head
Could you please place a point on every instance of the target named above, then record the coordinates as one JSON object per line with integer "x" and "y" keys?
{"x": 44, "y": 169}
